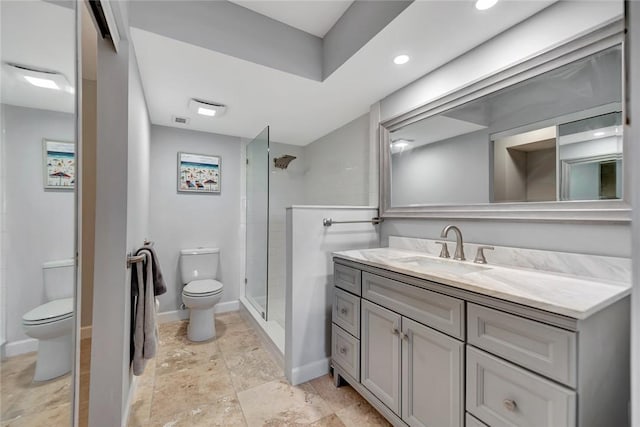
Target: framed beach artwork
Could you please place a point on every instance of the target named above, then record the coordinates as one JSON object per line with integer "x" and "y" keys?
{"x": 59, "y": 165}
{"x": 199, "y": 173}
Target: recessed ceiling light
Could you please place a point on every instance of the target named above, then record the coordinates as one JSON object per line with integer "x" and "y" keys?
{"x": 597, "y": 134}
{"x": 45, "y": 83}
{"x": 485, "y": 4}
{"x": 401, "y": 59}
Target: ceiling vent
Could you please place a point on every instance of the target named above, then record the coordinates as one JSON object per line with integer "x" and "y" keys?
{"x": 180, "y": 120}
{"x": 207, "y": 108}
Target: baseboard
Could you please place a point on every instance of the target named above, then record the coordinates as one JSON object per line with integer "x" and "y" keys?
{"x": 85, "y": 332}
{"x": 17, "y": 348}
{"x": 302, "y": 374}
{"x": 176, "y": 315}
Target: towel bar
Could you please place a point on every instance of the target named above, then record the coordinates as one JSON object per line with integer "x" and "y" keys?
{"x": 328, "y": 222}
{"x": 134, "y": 259}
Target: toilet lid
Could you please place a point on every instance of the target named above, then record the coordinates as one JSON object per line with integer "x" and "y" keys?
{"x": 202, "y": 287}
{"x": 58, "y": 309}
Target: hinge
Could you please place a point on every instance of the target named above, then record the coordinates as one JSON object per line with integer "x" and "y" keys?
{"x": 247, "y": 161}
{"x": 245, "y": 280}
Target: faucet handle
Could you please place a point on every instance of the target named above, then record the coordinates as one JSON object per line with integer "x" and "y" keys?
{"x": 444, "y": 252}
{"x": 480, "y": 259}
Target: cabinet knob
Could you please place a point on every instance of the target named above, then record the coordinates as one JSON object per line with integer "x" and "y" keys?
{"x": 395, "y": 331}
{"x": 510, "y": 405}
{"x": 344, "y": 311}
{"x": 343, "y": 350}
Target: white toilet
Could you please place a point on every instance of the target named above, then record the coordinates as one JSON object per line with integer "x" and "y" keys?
{"x": 52, "y": 323}
{"x": 198, "y": 269}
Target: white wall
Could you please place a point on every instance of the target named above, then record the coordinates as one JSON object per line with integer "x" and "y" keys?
{"x": 185, "y": 220}
{"x": 337, "y": 166}
{"x": 310, "y": 282}
{"x": 3, "y": 235}
{"x": 286, "y": 188}
{"x": 40, "y": 224}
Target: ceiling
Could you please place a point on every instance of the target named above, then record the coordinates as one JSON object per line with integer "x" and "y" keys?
{"x": 312, "y": 16}
{"x": 301, "y": 110}
{"x": 38, "y": 35}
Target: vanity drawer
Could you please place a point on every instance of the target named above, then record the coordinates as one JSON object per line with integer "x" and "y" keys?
{"x": 501, "y": 394}
{"x": 545, "y": 349}
{"x": 346, "y": 311}
{"x": 438, "y": 311}
{"x": 346, "y": 351}
{"x": 347, "y": 278}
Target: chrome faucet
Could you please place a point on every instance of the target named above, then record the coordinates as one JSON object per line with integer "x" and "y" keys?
{"x": 459, "y": 253}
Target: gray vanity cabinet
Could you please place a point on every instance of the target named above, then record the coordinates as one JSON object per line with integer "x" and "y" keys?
{"x": 380, "y": 358}
{"x": 422, "y": 353}
{"x": 432, "y": 379}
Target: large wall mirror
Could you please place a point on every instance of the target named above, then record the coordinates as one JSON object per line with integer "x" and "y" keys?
{"x": 38, "y": 181}
{"x": 543, "y": 140}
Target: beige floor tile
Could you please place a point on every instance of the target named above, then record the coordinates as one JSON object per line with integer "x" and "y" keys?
{"x": 238, "y": 342}
{"x": 278, "y": 404}
{"x": 224, "y": 411}
{"x": 56, "y": 417}
{"x": 175, "y": 392}
{"x": 330, "y": 421}
{"x": 252, "y": 368}
{"x": 337, "y": 397}
{"x": 182, "y": 357}
{"x": 37, "y": 397}
{"x": 140, "y": 411}
{"x": 361, "y": 415}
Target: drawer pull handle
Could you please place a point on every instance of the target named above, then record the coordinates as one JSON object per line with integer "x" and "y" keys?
{"x": 344, "y": 311}
{"x": 510, "y": 405}
{"x": 343, "y": 350}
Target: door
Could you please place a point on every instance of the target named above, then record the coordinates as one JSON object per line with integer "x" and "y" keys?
{"x": 257, "y": 215}
{"x": 432, "y": 366}
{"x": 380, "y": 371}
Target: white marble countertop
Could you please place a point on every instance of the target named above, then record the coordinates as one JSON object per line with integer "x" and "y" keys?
{"x": 572, "y": 296}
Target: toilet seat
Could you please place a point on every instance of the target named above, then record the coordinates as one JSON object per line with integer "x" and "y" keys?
{"x": 202, "y": 288}
{"x": 52, "y": 311}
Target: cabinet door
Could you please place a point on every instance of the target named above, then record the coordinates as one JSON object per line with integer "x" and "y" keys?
{"x": 432, "y": 375}
{"x": 380, "y": 362}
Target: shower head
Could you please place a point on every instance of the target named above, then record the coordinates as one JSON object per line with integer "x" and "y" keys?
{"x": 283, "y": 161}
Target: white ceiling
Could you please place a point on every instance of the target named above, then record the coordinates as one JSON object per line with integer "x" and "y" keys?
{"x": 41, "y": 35}
{"x": 300, "y": 110}
{"x": 313, "y": 16}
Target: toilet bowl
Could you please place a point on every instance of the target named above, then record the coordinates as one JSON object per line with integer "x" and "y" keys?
{"x": 52, "y": 322}
{"x": 198, "y": 268}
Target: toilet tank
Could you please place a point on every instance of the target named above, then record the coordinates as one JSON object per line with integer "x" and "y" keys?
{"x": 198, "y": 264}
{"x": 58, "y": 278}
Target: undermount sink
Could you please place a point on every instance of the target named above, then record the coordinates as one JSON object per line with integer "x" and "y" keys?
{"x": 443, "y": 266}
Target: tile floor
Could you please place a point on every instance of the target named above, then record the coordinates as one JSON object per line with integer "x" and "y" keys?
{"x": 233, "y": 381}
{"x": 24, "y": 403}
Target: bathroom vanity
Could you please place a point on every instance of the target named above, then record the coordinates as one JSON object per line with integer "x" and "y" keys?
{"x": 435, "y": 342}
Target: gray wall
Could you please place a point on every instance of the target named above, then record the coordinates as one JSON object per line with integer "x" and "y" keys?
{"x": 185, "y": 220}
{"x": 337, "y": 166}
{"x": 40, "y": 224}
{"x": 445, "y": 172}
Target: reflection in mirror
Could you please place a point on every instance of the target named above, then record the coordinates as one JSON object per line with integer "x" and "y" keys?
{"x": 37, "y": 275}
{"x": 556, "y": 136}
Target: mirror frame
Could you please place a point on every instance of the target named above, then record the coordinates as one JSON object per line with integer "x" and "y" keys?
{"x": 612, "y": 211}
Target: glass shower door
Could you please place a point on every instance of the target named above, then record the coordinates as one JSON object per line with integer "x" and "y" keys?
{"x": 257, "y": 214}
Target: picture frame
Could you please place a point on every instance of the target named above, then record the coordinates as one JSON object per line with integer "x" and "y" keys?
{"x": 199, "y": 173}
{"x": 59, "y": 169}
